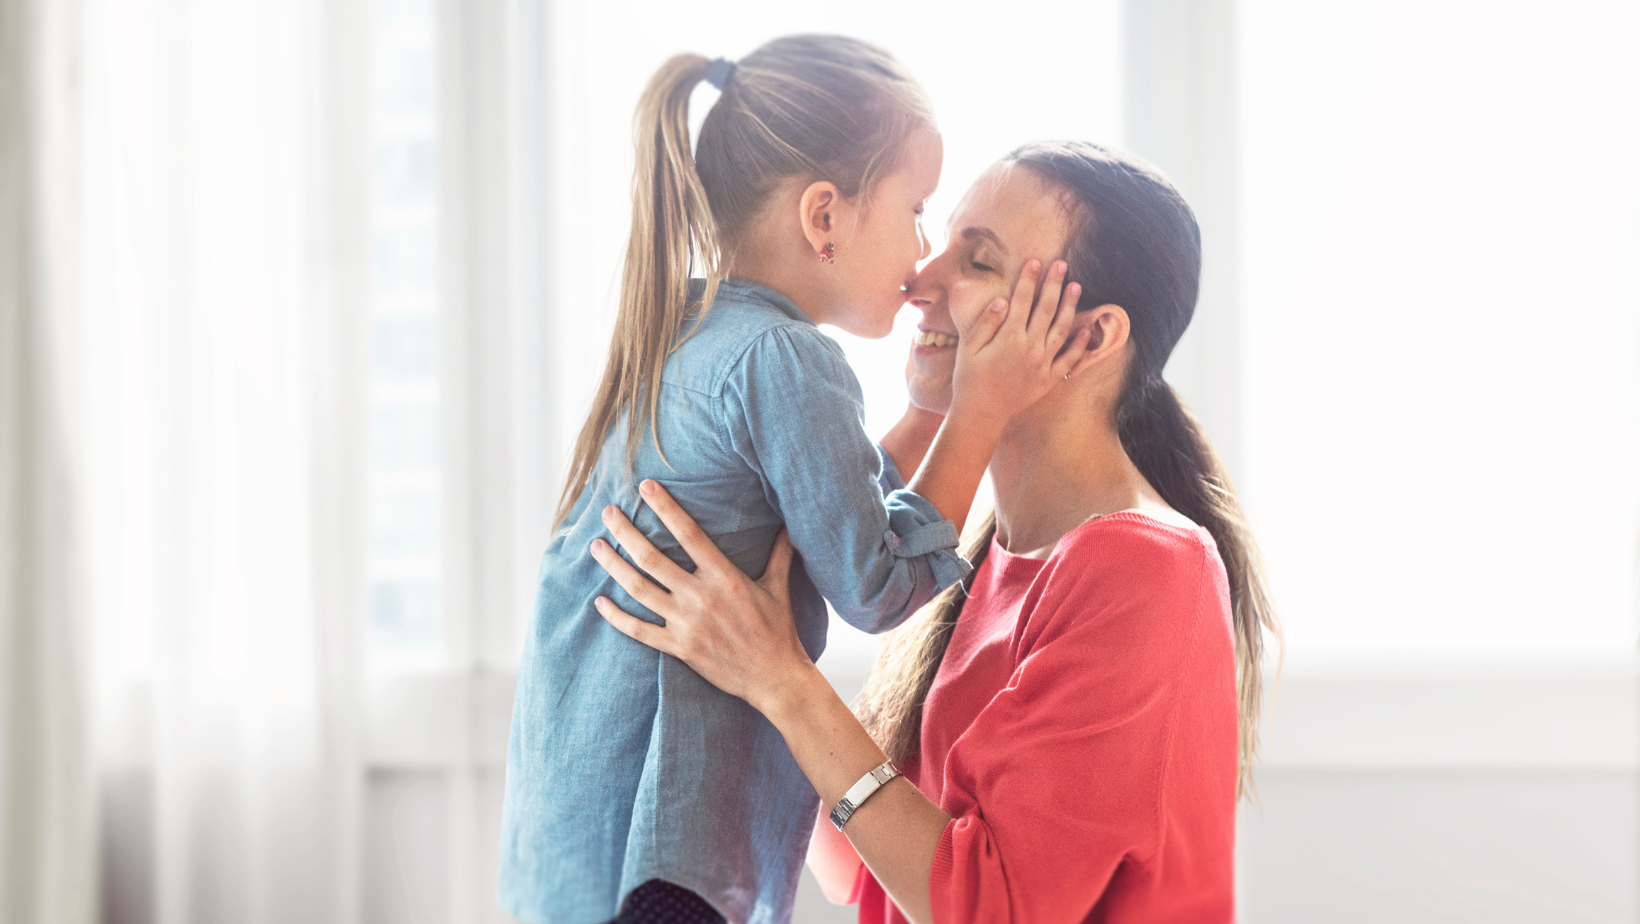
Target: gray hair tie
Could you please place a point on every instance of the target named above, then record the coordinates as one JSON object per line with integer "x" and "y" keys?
{"x": 719, "y": 73}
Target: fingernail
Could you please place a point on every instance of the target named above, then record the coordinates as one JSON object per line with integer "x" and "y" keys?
{"x": 999, "y": 304}
{"x": 609, "y": 512}
{"x": 600, "y": 602}
{"x": 1059, "y": 266}
{"x": 598, "y": 545}
{"x": 647, "y": 487}
{"x": 1076, "y": 288}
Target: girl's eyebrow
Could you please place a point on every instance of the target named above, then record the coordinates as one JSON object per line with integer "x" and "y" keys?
{"x": 970, "y": 233}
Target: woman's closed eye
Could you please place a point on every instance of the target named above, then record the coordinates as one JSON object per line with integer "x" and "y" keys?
{"x": 981, "y": 267}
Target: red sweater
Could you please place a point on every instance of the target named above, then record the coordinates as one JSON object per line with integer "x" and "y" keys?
{"x": 1081, "y": 734}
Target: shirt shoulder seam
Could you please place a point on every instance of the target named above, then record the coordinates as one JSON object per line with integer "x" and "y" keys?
{"x": 739, "y": 351}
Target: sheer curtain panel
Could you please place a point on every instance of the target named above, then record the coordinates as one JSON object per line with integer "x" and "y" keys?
{"x": 47, "y": 826}
{"x": 221, "y": 406}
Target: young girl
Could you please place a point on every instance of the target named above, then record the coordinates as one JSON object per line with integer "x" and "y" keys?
{"x": 633, "y": 786}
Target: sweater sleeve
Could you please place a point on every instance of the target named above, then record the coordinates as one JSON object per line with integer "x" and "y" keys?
{"x": 794, "y": 411}
{"x": 1058, "y": 781}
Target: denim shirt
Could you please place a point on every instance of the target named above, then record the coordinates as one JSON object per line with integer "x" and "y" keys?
{"x": 624, "y": 765}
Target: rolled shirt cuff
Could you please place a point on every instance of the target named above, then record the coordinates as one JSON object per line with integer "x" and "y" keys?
{"x": 916, "y": 530}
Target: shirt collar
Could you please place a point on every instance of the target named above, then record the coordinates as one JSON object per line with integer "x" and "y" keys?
{"x": 744, "y": 290}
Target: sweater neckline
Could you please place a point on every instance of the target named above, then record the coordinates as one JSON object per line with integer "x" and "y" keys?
{"x": 1120, "y": 516}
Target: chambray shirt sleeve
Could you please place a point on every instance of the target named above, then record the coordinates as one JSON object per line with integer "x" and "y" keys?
{"x": 876, "y": 551}
{"x": 889, "y": 479}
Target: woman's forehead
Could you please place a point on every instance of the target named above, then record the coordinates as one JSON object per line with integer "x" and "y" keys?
{"x": 1026, "y": 215}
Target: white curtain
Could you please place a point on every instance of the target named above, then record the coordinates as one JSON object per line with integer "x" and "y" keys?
{"x": 47, "y": 827}
{"x": 221, "y": 453}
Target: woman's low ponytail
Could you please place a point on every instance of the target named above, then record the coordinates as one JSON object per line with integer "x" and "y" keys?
{"x": 1135, "y": 243}
{"x": 1169, "y": 447}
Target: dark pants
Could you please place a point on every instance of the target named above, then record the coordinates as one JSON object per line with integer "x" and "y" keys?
{"x": 660, "y": 902}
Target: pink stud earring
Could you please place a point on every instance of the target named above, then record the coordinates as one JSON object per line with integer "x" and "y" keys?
{"x": 828, "y": 253}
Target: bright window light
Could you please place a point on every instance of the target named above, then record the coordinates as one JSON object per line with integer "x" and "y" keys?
{"x": 1443, "y": 306}
{"x": 405, "y": 619}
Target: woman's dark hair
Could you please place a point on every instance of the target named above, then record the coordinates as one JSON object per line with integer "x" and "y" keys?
{"x": 1133, "y": 242}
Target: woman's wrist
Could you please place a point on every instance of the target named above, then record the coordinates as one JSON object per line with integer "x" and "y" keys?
{"x": 823, "y": 734}
{"x": 782, "y": 701}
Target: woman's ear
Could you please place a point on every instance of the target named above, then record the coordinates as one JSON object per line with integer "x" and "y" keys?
{"x": 821, "y": 209}
{"x": 1109, "y": 331}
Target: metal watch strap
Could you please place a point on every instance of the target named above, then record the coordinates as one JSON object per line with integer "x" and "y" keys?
{"x": 861, "y": 791}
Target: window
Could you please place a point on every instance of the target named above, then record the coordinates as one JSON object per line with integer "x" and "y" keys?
{"x": 403, "y": 460}
{"x": 1443, "y": 323}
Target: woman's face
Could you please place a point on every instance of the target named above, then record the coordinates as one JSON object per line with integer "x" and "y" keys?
{"x": 1009, "y": 216}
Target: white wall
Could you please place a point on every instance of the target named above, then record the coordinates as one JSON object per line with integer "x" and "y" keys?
{"x": 1501, "y": 793}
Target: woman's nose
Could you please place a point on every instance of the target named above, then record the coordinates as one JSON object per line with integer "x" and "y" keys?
{"x": 921, "y": 293}
{"x": 928, "y": 286}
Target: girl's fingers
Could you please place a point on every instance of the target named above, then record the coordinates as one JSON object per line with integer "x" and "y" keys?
{"x": 643, "y": 551}
{"x": 1071, "y": 358}
{"x": 1084, "y": 362}
{"x": 1046, "y": 308}
{"x": 631, "y": 579}
{"x": 1060, "y": 329}
{"x": 1019, "y": 311}
{"x": 632, "y": 627}
{"x": 699, "y": 546}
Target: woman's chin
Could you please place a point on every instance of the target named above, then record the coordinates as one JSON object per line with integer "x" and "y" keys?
{"x": 930, "y": 394}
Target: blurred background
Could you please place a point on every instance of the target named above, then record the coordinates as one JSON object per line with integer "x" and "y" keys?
{"x": 301, "y": 302}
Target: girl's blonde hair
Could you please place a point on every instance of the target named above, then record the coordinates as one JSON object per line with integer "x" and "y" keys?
{"x": 1134, "y": 242}
{"x": 806, "y": 106}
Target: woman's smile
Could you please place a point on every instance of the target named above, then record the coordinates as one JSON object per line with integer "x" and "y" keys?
{"x": 934, "y": 340}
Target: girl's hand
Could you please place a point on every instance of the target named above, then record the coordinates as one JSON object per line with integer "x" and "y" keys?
{"x": 735, "y": 632}
{"x": 1010, "y": 356}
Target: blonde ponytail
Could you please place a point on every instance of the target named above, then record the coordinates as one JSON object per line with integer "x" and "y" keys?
{"x": 672, "y": 228}
{"x": 824, "y": 107}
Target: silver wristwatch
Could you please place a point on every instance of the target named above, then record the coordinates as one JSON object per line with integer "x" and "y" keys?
{"x": 861, "y": 791}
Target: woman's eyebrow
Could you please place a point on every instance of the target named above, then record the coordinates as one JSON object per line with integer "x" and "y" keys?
{"x": 972, "y": 232}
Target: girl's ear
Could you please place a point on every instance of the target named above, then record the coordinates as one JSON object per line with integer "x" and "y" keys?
{"x": 820, "y": 209}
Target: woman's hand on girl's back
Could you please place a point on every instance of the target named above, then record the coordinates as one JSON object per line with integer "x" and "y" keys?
{"x": 1016, "y": 351}
{"x": 736, "y": 633}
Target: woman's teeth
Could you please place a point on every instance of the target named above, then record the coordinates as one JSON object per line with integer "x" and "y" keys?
{"x": 933, "y": 339}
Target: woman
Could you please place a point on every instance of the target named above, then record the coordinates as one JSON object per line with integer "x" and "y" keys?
{"x": 1079, "y": 722}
